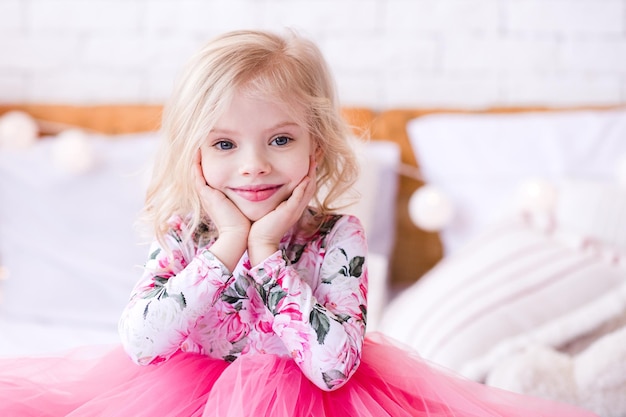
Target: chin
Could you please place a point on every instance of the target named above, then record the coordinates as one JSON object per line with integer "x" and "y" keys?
{"x": 256, "y": 214}
{"x": 252, "y": 217}
{"x": 256, "y": 211}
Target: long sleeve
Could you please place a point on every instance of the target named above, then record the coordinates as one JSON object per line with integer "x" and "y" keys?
{"x": 177, "y": 287}
{"x": 322, "y": 328}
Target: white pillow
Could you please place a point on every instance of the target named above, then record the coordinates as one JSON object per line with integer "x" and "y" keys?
{"x": 68, "y": 240}
{"x": 506, "y": 282}
{"x": 377, "y": 189}
{"x": 479, "y": 160}
{"x": 593, "y": 210}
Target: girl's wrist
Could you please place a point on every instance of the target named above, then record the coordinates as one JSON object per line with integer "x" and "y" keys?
{"x": 259, "y": 251}
{"x": 229, "y": 247}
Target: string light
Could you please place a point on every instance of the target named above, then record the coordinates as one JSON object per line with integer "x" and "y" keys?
{"x": 537, "y": 196}
{"x": 430, "y": 209}
{"x": 72, "y": 151}
{"x": 17, "y": 130}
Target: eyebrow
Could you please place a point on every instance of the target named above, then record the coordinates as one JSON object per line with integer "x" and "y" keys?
{"x": 275, "y": 127}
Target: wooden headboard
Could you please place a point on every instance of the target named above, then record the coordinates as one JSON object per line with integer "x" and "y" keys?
{"x": 416, "y": 251}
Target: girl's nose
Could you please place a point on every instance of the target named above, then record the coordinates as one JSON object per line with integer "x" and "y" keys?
{"x": 254, "y": 164}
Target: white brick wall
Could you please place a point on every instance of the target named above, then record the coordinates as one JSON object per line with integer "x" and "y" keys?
{"x": 385, "y": 53}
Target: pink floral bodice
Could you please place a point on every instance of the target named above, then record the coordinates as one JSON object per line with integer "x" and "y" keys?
{"x": 306, "y": 301}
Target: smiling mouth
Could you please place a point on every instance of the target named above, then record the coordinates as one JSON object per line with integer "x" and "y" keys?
{"x": 257, "y": 193}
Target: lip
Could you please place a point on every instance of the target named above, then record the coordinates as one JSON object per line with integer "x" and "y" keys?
{"x": 257, "y": 193}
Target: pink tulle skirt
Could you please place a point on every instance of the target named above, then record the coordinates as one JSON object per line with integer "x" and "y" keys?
{"x": 389, "y": 382}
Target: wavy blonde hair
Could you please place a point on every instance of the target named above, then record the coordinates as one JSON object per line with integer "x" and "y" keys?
{"x": 291, "y": 70}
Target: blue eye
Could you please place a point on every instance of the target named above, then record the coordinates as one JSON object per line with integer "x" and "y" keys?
{"x": 224, "y": 145}
{"x": 281, "y": 140}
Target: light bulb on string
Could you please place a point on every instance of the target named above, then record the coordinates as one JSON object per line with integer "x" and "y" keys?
{"x": 430, "y": 209}
{"x": 537, "y": 195}
{"x": 18, "y": 130}
{"x": 72, "y": 152}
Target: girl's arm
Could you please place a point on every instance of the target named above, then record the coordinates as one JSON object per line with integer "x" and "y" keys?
{"x": 322, "y": 328}
{"x": 177, "y": 287}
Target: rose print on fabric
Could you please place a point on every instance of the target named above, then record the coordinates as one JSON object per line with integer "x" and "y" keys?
{"x": 353, "y": 267}
{"x": 159, "y": 291}
{"x": 307, "y": 301}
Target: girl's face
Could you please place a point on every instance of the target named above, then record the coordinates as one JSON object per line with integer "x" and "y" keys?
{"x": 256, "y": 155}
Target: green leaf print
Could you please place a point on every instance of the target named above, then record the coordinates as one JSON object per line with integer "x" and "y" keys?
{"x": 234, "y": 294}
{"x": 262, "y": 293}
{"x": 241, "y": 286}
{"x": 363, "y": 309}
{"x": 177, "y": 237}
{"x": 328, "y": 223}
{"x": 293, "y": 253}
{"x": 344, "y": 271}
{"x": 230, "y": 296}
{"x": 160, "y": 281}
{"x": 276, "y": 294}
{"x": 180, "y": 298}
{"x": 154, "y": 254}
{"x": 263, "y": 276}
{"x": 356, "y": 266}
{"x": 145, "y": 310}
{"x": 320, "y": 323}
{"x": 342, "y": 318}
{"x": 158, "y": 290}
{"x": 332, "y": 377}
{"x": 230, "y": 358}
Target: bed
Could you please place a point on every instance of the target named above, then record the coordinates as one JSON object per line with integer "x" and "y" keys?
{"x": 534, "y": 255}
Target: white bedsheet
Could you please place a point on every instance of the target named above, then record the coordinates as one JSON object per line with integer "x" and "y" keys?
{"x": 25, "y": 338}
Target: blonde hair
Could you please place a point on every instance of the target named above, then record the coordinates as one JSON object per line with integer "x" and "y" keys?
{"x": 288, "y": 68}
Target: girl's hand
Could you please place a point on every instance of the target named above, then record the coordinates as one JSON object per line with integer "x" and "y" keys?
{"x": 266, "y": 233}
{"x": 232, "y": 226}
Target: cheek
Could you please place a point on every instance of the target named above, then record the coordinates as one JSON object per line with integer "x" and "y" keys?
{"x": 214, "y": 177}
{"x": 213, "y": 173}
{"x": 297, "y": 171}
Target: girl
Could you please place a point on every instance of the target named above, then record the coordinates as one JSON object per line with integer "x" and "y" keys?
{"x": 253, "y": 300}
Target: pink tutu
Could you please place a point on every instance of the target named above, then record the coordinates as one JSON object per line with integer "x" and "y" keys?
{"x": 389, "y": 382}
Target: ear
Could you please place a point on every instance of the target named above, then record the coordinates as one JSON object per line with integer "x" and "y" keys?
{"x": 319, "y": 154}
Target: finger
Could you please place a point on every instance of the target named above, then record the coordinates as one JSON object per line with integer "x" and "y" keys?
{"x": 199, "y": 173}
{"x": 299, "y": 198}
{"x": 299, "y": 192}
{"x": 312, "y": 167}
{"x": 311, "y": 187}
{"x": 312, "y": 174}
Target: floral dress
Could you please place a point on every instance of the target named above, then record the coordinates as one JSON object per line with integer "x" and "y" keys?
{"x": 284, "y": 338}
{"x": 306, "y": 301}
